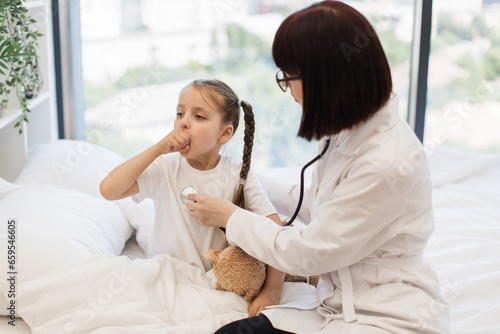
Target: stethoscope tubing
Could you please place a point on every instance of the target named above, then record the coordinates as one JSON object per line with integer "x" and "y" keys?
{"x": 301, "y": 196}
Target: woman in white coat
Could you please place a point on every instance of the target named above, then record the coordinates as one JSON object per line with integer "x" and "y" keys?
{"x": 368, "y": 208}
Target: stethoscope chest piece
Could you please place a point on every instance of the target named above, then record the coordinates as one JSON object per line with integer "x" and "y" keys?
{"x": 186, "y": 191}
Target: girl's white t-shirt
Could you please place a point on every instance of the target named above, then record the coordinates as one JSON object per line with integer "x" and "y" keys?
{"x": 175, "y": 232}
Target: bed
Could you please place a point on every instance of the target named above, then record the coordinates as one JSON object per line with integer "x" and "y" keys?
{"x": 64, "y": 232}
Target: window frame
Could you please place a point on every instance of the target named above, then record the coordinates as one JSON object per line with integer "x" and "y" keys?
{"x": 70, "y": 102}
{"x": 419, "y": 68}
{"x": 69, "y": 79}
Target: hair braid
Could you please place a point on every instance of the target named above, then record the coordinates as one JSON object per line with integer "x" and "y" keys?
{"x": 239, "y": 197}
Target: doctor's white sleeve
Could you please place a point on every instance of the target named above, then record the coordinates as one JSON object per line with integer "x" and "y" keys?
{"x": 363, "y": 212}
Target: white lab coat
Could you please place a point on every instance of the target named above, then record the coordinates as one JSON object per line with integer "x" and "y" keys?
{"x": 369, "y": 213}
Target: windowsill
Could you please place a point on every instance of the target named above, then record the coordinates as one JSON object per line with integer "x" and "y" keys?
{"x": 11, "y": 115}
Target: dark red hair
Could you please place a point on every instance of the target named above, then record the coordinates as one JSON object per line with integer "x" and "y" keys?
{"x": 345, "y": 74}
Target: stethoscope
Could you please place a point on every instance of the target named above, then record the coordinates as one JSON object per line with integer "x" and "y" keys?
{"x": 301, "y": 196}
{"x": 191, "y": 190}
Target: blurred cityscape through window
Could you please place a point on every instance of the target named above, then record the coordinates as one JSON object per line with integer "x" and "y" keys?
{"x": 138, "y": 55}
{"x": 463, "y": 94}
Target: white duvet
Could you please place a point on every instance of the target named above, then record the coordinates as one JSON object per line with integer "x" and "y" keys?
{"x": 114, "y": 294}
{"x": 162, "y": 294}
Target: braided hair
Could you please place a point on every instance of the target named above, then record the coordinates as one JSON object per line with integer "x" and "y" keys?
{"x": 229, "y": 104}
{"x": 239, "y": 198}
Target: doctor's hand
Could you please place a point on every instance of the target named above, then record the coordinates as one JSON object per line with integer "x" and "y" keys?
{"x": 210, "y": 211}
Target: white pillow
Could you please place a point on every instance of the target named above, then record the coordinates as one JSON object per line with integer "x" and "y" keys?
{"x": 141, "y": 216}
{"x": 69, "y": 164}
{"x": 80, "y": 165}
{"x": 55, "y": 227}
{"x": 450, "y": 165}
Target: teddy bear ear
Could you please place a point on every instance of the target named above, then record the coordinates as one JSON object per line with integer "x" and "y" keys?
{"x": 212, "y": 255}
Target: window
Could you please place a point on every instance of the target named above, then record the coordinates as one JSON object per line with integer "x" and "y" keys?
{"x": 463, "y": 100}
{"x": 138, "y": 54}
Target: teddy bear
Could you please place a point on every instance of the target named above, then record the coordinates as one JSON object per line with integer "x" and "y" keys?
{"x": 238, "y": 272}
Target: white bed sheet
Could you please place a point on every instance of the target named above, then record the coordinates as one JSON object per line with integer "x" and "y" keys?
{"x": 463, "y": 250}
{"x": 465, "y": 247}
{"x": 131, "y": 250}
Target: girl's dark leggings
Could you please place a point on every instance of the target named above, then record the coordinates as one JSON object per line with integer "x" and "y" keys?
{"x": 255, "y": 325}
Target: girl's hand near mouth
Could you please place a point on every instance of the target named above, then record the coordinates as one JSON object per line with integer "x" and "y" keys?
{"x": 175, "y": 141}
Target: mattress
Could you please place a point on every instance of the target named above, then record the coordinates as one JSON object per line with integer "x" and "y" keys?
{"x": 463, "y": 249}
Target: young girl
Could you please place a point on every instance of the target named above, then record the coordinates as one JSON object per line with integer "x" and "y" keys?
{"x": 208, "y": 114}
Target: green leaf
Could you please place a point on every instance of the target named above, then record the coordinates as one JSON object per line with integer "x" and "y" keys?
{"x": 18, "y": 54}
{"x": 4, "y": 44}
{"x": 10, "y": 50}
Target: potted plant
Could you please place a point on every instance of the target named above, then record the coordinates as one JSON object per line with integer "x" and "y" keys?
{"x": 19, "y": 72}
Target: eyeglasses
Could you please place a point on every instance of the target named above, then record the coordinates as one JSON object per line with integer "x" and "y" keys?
{"x": 282, "y": 80}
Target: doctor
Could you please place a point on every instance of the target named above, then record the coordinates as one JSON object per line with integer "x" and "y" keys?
{"x": 368, "y": 207}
